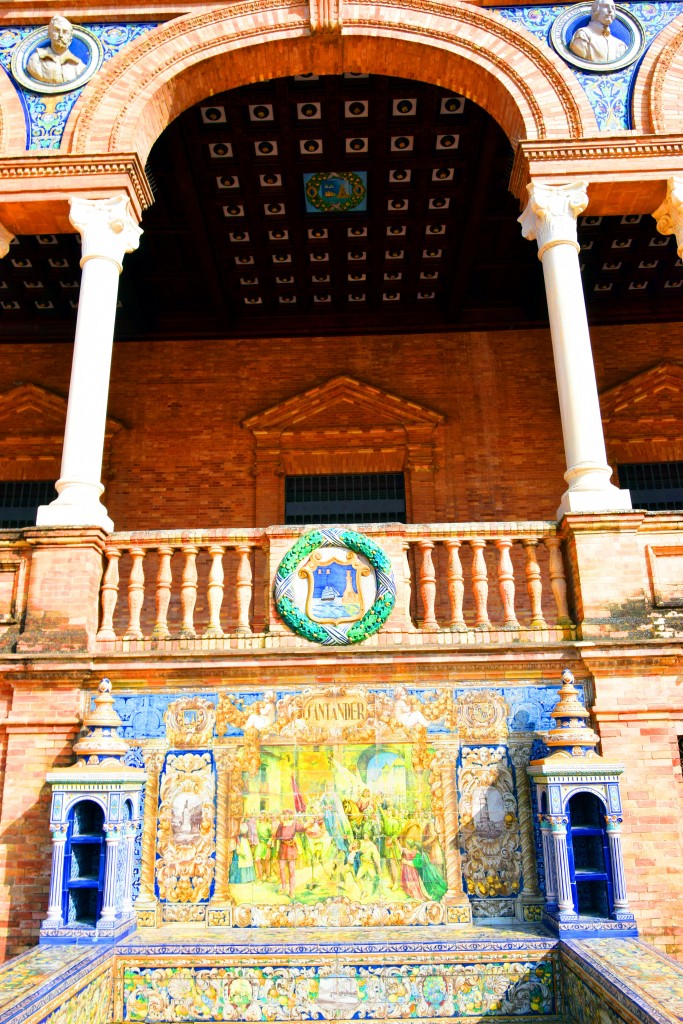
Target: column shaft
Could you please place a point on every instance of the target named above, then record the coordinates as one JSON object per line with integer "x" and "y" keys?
{"x": 108, "y": 912}
{"x": 565, "y": 903}
{"x": 108, "y": 231}
{"x": 618, "y": 876}
{"x": 54, "y": 910}
{"x": 550, "y": 219}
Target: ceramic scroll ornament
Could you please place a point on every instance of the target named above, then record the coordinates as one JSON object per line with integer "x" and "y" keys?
{"x": 56, "y": 58}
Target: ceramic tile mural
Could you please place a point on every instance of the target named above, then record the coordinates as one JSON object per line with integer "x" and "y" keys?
{"x": 583, "y": 1004}
{"x": 91, "y": 1005}
{"x": 33, "y": 968}
{"x": 328, "y": 992}
{"x": 334, "y": 806}
{"x": 609, "y": 93}
{"x": 653, "y": 977}
{"x": 46, "y": 116}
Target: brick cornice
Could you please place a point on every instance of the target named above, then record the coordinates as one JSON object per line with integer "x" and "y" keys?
{"x": 28, "y": 178}
{"x": 643, "y": 161}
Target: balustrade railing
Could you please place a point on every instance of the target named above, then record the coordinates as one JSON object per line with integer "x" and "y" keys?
{"x": 195, "y": 606}
{"x": 515, "y": 579}
{"x": 463, "y": 578}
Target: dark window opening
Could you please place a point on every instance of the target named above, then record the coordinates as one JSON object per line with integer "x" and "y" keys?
{"x": 654, "y": 486}
{"x": 19, "y": 501}
{"x": 345, "y": 498}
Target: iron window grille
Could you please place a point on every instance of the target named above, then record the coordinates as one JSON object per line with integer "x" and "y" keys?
{"x": 345, "y": 498}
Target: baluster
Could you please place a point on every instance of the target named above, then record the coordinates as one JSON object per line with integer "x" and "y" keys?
{"x": 534, "y": 585}
{"x": 480, "y": 584}
{"x": 456, "y": 585}
{"x": 243, "y": 587}
{"x": 506, "y": 583}
{"x": 110, "y": 594}
{"x": 136, "y": 594}
{"x": 558, "y": 583}
{"x": 407, "y": 584}
{"x": 188, "y": 591}
{"x": 163, "y": 596}
{"x": 428, "y": 585}
{"x": 215, "y": 593}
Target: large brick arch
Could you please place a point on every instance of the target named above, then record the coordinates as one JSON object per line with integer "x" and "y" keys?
{"x": 521, "y": 83}
{"x": 12, "y": 121}
{"x": 658, "y": 92}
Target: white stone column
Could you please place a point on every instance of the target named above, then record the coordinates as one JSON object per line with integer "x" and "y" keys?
{"x": 5, "y": 239}
{"x": 108, "y": 231}
{"x": 617, "y": 859}
{"x": 565, "y": 903}
{"x": 550, "y": 219}
{"x": 112, "y": 835}
{"x": 669, "y": 216}
{"x": 54, "y": 910}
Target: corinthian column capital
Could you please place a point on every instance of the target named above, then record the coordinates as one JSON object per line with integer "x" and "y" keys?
{"x": 669, "y": 216}
{"x": 550, "y": 214}
{"x": 5, "y": 239}
{"x": 107, "y": 228}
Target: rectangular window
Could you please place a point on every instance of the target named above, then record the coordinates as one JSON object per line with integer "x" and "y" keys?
{"x": 19, "y": 501}
{"x": 345, "y": 498}
{"x": 654, "y": 486}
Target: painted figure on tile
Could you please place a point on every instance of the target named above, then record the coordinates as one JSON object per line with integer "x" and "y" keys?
{"x": 264, "y": 845}
{"x": 333, "y": 820}
{"x": 288, "y": 851}
{"x": 242, "y": 866}
{"x": 56, "y": 64}
{"x": 595, "y": 42}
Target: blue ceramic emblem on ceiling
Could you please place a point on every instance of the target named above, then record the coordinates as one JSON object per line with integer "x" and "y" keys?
{"x": 336, "y": 191}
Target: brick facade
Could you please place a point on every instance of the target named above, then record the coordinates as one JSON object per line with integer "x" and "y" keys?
{"x": 183, "y": 404}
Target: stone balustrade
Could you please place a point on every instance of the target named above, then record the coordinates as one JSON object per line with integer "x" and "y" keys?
{"x": 469, "y": 582}
{"x": 497, "y": 576}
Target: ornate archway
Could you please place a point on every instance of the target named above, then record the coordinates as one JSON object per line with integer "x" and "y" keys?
{"x": 506, "y": 71}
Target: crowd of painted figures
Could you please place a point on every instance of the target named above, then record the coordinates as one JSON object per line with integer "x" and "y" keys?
{"x": 367, "y": 848}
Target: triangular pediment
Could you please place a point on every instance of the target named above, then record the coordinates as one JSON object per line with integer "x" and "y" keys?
{"x": 652, "y": 396}
{"x": 343, "y": 402}
{"x": 31, "y": 411}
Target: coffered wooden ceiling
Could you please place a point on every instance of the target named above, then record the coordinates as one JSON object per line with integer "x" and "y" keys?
{"x": 230, "y": 247}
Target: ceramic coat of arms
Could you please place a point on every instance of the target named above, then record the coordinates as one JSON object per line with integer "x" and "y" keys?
{"x": 336, "y": 191}
{"x": 335, "y": 586}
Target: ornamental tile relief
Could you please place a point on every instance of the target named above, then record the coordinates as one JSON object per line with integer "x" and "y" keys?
{"x": 609, "y": 93}
{"x": 331, "y": 991}
{"x": 46, "y": 115}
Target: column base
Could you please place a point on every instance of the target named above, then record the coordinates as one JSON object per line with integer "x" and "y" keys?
{"x": 573, "y": 926}
{"x": 590, "y": 490}
{"x": 610, "y": 499}
{"x": 63, "y": 514}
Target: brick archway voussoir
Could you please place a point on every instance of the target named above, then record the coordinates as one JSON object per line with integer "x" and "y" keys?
{"x": 658, "y": 91}
{"x": 502, "y": 68}
{"x": 12, "y": 120}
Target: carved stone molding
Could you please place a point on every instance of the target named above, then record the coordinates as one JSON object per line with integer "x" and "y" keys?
{"x": 669, "y": 215}
{"x": 25, "y": 180}
{"x": 325, "y": 15}
{"x": 5, "y": 240}
{"x": 550, "y": 215}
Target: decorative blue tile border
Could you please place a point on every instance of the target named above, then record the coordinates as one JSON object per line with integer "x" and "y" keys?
{"x": 609, "y": 93}
{"x": 46, "y": 116}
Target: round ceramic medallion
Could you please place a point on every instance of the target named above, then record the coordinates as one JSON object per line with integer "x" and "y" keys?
{"x": 598, "y": 36}
{"x": 56, "y": 58}
{"x": 335, "y": 586}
